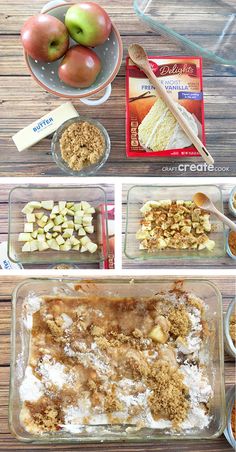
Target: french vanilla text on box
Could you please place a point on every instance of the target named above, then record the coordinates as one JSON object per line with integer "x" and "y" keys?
{"x": 151, "y": 129}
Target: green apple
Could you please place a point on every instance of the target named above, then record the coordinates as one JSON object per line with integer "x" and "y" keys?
{"x": 88, "y": 24}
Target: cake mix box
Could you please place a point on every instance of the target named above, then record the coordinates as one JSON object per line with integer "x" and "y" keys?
{"x": 151, "y": 129}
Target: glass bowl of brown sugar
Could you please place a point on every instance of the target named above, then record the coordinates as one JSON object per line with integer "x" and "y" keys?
{"x": 80, "y": 146}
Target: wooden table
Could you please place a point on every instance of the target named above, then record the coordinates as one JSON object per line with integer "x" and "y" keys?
{"x": 4, "y": 193}
{"x": 8, "y": 442}
{"x": 223, "y": 262}
{"x": 22, "y": 101}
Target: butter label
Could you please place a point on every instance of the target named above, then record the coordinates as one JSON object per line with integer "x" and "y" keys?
{"x": 44, "y": 126}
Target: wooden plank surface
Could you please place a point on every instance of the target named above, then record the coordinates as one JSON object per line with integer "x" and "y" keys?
{"x": 8, "y": 442}
{"x": 224, "y": 262}
{"x": 23, "y": 101}
{"x": 4, "y": 194}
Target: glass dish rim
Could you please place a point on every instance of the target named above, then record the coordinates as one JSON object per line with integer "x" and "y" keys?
{"x": 52, "y": 186}
{"x": 124, "y": 281}
{"x": 226, "y": 326}
{"x": 153, "y": 257}
{"x": 95, "y": 167}
{"x": 204, "y": 52}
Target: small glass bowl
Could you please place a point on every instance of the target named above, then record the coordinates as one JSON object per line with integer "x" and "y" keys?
{"x": 231, "y": 199}
{"x": 229, "y": 252}
{"x": 56, "y": 149}
{"x": 229, "y": 345}
{"x": 230, "y": 401}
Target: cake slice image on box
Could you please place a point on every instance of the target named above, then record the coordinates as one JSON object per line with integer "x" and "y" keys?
{"x": 160, "y": 131}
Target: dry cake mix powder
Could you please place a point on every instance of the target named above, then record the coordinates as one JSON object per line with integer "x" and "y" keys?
{"x": 152, "y": 130}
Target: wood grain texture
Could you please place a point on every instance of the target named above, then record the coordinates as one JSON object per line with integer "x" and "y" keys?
{"x": 4, "y": 195}
{"x": 8, "y": 442}
{"x": 224, "y": 262}
{"x": 22, "y": 101}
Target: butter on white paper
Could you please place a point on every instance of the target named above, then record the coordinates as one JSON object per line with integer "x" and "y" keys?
{"x": 5, "y": 262}
{"x": 43, "y": 127}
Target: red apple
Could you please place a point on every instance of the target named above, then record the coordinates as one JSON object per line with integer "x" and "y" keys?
{"x": 45, "y": 38}
{"x": 79, "y": 67}
{"x": 88, "y": 24}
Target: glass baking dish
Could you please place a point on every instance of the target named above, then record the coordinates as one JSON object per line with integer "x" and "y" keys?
{"x": 116, "y": 288}
{"x": 139, "y": 194}
{"x": 206, "y": 27}
{"x": 19, "y": 196}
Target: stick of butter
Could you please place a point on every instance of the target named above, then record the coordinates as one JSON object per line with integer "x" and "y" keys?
{"x": 45, "y": 126}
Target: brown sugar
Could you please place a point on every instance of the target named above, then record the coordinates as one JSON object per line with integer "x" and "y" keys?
{"x": 180, "y": 323}
{"x": 232, "y": 242}
{"x": 82, "y": 144}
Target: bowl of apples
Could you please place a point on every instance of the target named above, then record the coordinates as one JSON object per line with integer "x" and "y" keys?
{"x": 73, "y": 50}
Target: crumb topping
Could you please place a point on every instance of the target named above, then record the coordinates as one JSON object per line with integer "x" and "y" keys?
{"x": 112, "y": 361}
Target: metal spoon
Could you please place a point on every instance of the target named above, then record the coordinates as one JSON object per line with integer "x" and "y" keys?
{"x": 201, "y": 200}
{"x": 140, "y": 58}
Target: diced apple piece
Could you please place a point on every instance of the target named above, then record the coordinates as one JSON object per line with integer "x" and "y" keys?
{"x": 77, "y": 227}
{"x": 83, "y": 249}
{"x": 71, "y": 224}
{"x": 158, "y": 335}
{"x": 81, "y": 231}
{"x": 85, "y": 205}
{"x": 84, "y": 240}
{"x": 78, "y": 215}
{"x": 34, "y": 234}
{"x": 52, "y": 216}
{"x": 42, "y": 246}
{"x": 89, "y": 229}
{"x": 44, "y": 218}
{"x": 24, "y": 237}
{"x": 35, "y": 204}
{"x": 61, "y": 205}
{"x": 65, "y": 247}
{"x": 76, "y": 247}
{"x": 54, "y": 234}
{"x": 60, "y": 240}
{"x": 41, "y": 223}
{"x": 87, "y": 220}
{"x": 40, "y": 231}
{"x": 69, "y": 205}
{"x": 28, "y": 227}
{"x": 90, "y": 210}
{"x": 47, "y": 205}
{"x": 78, "y": 221}
{"x": 41, "y": 238}
{"x": 48, "y": 226}
{"x": 70, "y": 212}
{"x": 48, "y": 236}
{"x": 27, "y": 209}
{"x": 53, "y": 244}
{"x": 64, "y": 211}
{"x": 39, "y": 215}
{"x": 26, "y": 247}
{"x": 78, "y": 206}
{"x": 68, "y": 233}
{"x": 59, "y": 220}
{"x": 57, "y": 228}
{"x": 30, "y": 217}
{"x": 55, "y": 209}
{"x": 34, "y": 245}
{"x": 74, "y": 241}
{"x": 64, "y": 225}
{"x": 92, "y": 247}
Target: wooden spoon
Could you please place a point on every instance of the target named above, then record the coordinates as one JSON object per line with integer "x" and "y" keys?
{"x": 202, "y": 201}
{"x": 140, "y": 58}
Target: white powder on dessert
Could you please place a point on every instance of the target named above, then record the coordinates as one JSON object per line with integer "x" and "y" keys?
{"x": 31, "y": 388}
{"x": 31, "y": 305}
{"x": 53, "y": 373}
{"x": 67, "y": 321}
